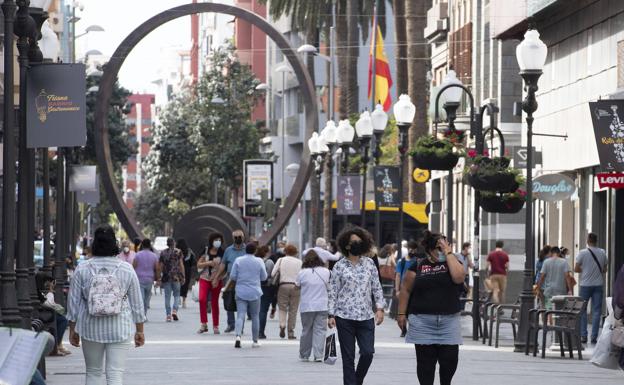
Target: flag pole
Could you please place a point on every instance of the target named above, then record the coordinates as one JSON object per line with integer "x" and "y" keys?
{"x": 373, "y": 80}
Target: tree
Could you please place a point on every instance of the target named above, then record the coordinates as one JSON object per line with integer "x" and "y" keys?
{"x": 121, "y": 145}
{"x": 418, "y": 87}
{"x": 205, "y": 134}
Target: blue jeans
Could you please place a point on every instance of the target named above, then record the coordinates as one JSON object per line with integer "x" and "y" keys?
{"x": 61, "y": 327}
{"x": 244, "y": 307}
{"x": 146, "y": 292}
{"x": 350, "y": 331}
{"x": 595, "y": 293}
{"x": 172, "y": 287}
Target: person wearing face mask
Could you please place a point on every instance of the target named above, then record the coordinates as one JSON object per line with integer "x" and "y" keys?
{"x": 233, "y": 252}
{"x": 353, "y": 285}
{"x": 429, "y": 302}
{"x": 207, "y": 266}
{"x": 127, "y": 254}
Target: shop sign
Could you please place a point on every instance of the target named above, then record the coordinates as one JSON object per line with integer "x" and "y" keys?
{"x": 349, "y": 195}
{"x": 387, "y": 185}
{"x": 553, "y": 187}
{"x": 611, "y": 180}
{"x": 609, "y": 132}
{"x": 82, "y": 178}
{"x": 56, "y": 105}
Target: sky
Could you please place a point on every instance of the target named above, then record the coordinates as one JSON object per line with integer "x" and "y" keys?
{"x": 119, "y": 18}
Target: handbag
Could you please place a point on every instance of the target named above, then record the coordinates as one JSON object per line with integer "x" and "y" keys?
{"x": 387, "y": 271}
{"x": 195, "y": 292}
{"x": 617, "y": 335}
{"x": 330, "y": 356}
{"x": 275, "y": 281}
{"x": 229, "y": 300}
{"x": 606, "y": 355}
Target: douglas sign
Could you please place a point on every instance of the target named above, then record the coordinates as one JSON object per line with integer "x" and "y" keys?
{"x": 553, "y": 187}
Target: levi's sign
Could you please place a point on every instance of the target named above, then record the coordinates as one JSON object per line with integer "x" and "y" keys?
{"x": 615, "y": 180}
{"x": 553, "y": 187}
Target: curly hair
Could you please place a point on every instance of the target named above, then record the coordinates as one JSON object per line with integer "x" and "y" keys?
{"x": 291, "y": 250}
{"x": 312, "y": 260}
{"x": 430, "y": 240}
{"x": 212, "y": 237}
{"x": 344, "y": 238}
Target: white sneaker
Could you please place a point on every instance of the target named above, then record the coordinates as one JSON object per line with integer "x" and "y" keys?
{"x": 302, "y": 359}
{"x": 255, "y": 345}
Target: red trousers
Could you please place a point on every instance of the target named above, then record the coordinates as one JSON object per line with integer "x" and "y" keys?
{"x": 204, "y": 288}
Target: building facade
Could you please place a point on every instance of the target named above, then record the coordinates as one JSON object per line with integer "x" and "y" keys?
{"x": 139, "y": 121}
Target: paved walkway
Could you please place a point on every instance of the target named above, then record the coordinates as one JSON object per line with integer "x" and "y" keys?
{"x": 175, "y": 354}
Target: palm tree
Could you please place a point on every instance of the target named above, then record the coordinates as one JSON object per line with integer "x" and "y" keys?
{"x": 417, "y": 82}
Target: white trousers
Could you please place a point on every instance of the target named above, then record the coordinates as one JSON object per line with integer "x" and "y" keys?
{"x": 115, "y": 354}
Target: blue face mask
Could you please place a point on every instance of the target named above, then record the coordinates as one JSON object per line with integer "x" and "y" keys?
{"x": 441, "y": 257}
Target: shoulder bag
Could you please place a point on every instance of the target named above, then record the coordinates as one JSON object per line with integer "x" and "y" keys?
{"x": 229, "y": 300}
{"x": 387, "y": 271}
{"x": 275, "y": 281}
{"x": 596, "y": 260}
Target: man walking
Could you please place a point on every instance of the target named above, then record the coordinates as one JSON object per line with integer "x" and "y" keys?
{"x": 172, "y": 269}
{"x": 554, "y": 277}
{"x": 498, "y": 265}
{"x": 592, "y": 264}
{"x": 466, "y": 260}
{"x": 230, "y": 255}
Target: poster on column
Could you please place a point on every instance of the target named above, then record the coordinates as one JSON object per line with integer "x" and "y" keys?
{"x": 56, "y": 106}
{"x": 609, "y": 132}
{"x": 387, "y": 186}
{"x": 349, "y": 194}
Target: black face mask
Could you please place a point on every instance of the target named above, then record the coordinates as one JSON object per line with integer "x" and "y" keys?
{"x": 238, "y": 240}
{"x": 356, "y": 248}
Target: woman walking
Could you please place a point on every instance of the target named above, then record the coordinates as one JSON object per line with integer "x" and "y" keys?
{"x": 285, "y": 272}
{"x": 207, "y": 266}
{"x": 268, "y": 290}
{"x": 105, "y": 323}
{"x": 353, "y": 285}
{"x": 189, "y": 261}
{"x": 247, "y": 273}
{"x": 172, "y": 269}
{"x": 313, "y": 279}
{"x": 146, "y": 266}
{"x": 430, "y": 300}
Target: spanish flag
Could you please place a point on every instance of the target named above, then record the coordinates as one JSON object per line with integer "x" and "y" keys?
{"x": 383, "y": 78}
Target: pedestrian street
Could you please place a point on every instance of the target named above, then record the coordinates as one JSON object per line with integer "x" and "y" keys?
{"x": 175, "y": 354}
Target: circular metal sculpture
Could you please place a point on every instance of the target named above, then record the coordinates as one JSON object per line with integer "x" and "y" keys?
{"x": 197, "y": 225}
{"x": 111, "y": 69}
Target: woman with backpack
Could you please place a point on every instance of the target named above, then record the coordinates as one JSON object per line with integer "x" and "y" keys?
{"x": 105, "y": 310}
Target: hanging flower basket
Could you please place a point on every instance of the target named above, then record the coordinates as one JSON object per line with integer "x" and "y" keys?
{"x": 499, "y": 205}
{"x": 491, "y": 174}
{"x": 431, "y": 153}
{"x": 508, "y": 203}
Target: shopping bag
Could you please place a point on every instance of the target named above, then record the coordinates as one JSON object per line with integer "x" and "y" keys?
{"x": 195, "y": 292}
{"x": 606, "y": 355}
{"x": 229, "y": 300}
{"x": 330, "y": 355}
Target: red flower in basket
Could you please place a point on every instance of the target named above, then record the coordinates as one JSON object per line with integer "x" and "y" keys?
{"x": 472, "y": 153}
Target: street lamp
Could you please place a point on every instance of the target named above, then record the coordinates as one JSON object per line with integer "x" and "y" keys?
{"x": 364, "y": 130}
{"x": 91, "y": 28}
{"x": 531, "y": 56}
{"x": 452, "y": 97}
{"x": 380, "y": 121}
{"x": 310, "y": 49}
{"x": 404, "y": 111}
{"x": 283, "y": 69}
{"x": 346, "y": 134}
{"x": 330, "y": 138}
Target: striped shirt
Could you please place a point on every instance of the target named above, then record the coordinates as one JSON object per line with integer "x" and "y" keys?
{"x": 105, "y": 329}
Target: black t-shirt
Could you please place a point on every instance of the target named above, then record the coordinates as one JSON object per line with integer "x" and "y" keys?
{"x": 434, "y": 291}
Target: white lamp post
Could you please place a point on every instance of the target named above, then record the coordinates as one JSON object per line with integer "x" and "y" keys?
{"x": 379, "y": 118}
{"x": 329, "y": 134}
{"x": 404, "y": 111}
{"x": 531, "y": 55}
{"x": 364, "y": 130}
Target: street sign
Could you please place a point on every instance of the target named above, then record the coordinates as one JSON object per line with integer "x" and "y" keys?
{"x": 611, "y": 180}
{"x": 553, "y": 187}
{"x": 520, "y": 155}
{"x": 609, "y": 133}
{"x": 420, "y": 175}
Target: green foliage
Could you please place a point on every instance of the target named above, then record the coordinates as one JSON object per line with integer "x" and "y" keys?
{"x": 431, "y": 145}
{"x": 201, "y": 141}
{"x": 121, "y": 145}
{"x": 485, "y": 166}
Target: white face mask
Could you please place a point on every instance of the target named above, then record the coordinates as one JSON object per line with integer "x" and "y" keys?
{"x": 126, "y": 250}
{"x": 217, "y": 243}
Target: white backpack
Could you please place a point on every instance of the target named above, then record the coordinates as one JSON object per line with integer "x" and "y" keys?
{"x": 105, "y": 294}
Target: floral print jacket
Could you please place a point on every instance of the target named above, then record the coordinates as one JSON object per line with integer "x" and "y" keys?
{"x": 352, "y": 288}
